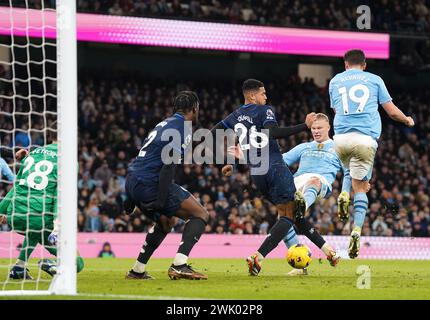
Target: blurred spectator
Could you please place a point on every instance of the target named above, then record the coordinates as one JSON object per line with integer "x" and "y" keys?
{"x": 22, "y": 139}
{"x": 92, "y": 218}
{"x": 106, "y": 251}
{"x": 116, "y": 9}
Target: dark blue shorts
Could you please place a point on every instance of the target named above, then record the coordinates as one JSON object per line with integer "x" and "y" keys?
{"x": 277, "y": 185}
{"x": 141, "y": 191}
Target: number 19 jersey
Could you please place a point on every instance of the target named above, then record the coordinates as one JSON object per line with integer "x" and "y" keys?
{"x": 356, "y": 95}
{"x": 35, "y": 189}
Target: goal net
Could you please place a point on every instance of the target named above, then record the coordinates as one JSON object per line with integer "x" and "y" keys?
{"x": 38, "y": 114}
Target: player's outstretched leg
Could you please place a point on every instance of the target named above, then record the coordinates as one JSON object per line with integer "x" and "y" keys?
{"x": 300, "y": 203}
{"x": 343, "y": 200}
{"x": 153, "y": 239}
{"x": 278, "y": 232}
{"x": 19, "y": 270}
{"x": 311, "y": 191}
{"x": 360, "y": 209}
{"x": 50, "y": 265}
{"x": 306, "y": 199}
{"x": 197, "y": 217}
{"x": 305, "y": 227}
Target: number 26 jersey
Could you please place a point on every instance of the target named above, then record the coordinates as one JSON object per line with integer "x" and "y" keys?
{"x": 247, "y": 121}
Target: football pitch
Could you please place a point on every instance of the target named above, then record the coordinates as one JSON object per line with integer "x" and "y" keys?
{"x": 228, "y": 279}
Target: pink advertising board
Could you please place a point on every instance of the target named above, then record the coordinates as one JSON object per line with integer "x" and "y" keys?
{"x": 127, "y": 245}
{"x": 198, "y": 35}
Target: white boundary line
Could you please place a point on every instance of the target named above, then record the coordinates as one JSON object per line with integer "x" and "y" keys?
{"x": 48, "y": 294}
{"x": 141, "y": 297}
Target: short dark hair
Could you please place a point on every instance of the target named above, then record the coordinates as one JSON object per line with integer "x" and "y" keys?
{"x": 185, "y": 101}
{"x": 355, "y": 57}
{"x": 251, "y": 84}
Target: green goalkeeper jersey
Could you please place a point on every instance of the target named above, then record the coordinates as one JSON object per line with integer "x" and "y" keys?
{"x": 35, "y": 188}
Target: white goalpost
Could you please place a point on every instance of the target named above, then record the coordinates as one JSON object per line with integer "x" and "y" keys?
{"x": 31, "y": 104}
{"x": 67, "y": 77}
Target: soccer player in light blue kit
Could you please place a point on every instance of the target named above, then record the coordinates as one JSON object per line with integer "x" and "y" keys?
{"x": 355, "y": 96}
{"x": 319, "y": 165}
{"x": 5, "y": 171}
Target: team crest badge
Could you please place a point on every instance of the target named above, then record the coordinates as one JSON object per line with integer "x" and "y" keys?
{"x": 270, "y": 115}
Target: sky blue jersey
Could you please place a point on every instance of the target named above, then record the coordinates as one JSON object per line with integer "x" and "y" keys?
{"x": 5, "y": 171}
{"x": 356, "y": 95}
{"x": 315, "y": 157}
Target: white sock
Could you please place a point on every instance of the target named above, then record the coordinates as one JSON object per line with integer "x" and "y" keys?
{"x": 20, "y": 263}
{"x": 259, "y": 256}
{"x": 139, "y": 267}
{"x": 180, "y": 259}
{"x": 326, "y": 249}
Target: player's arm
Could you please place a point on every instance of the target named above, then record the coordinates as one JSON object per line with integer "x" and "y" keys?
{"x": 330, "y": 94}
{"x": 5, "y": 170}
{"x": 220, "y": 125}
{"x": 213, "y": 149}
{"x": 19, "y": 155}
{"x": 293, "y": 156}
{"x": 4, "y": 204}
{"x": 397, "y": 115}
{"x": 216, "y": 149}
{"x": 390, "y": 108}
{"x": 277, "y": 132}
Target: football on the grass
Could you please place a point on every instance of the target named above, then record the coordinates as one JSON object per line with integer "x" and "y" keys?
{"x": 299, "y": 256}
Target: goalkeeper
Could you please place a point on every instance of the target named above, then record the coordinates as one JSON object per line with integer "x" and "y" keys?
{"x": 30, "y": 208}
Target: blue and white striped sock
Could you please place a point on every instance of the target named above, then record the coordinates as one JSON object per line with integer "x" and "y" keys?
{"x": 310, "y": 195}
{"x": 361, "y": 204}
{"x": 291, "y": 238}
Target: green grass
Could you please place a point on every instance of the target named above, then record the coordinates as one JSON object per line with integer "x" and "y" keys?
{"x": 228, "y": 279}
